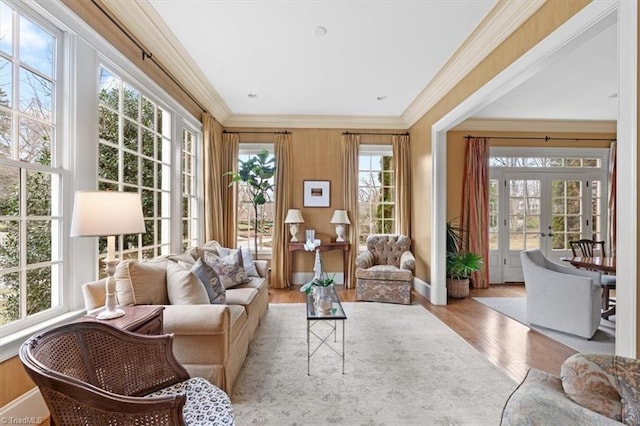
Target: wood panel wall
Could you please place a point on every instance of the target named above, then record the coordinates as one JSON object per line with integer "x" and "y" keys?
{"x": 14, "y": 380}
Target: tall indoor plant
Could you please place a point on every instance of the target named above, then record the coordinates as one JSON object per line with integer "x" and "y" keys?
{"x": 460, "y": 264}
{"x": 256, "y": 173}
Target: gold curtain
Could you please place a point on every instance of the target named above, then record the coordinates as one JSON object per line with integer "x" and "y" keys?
{"x": 402, "y": 174}
{"x": 212, "y": 175}
{"x": 284, "y": 198}
{"x": 350, "y": 151}
{"x": 229, "y": 163}
{"x": 475, "y": 206}
{"x": 613, "y": 159}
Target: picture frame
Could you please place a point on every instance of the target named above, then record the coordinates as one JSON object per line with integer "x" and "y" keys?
{"x": 317, "y": 193}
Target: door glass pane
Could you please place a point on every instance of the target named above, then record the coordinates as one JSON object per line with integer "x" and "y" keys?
{"x": 493, "y": 214}
{"x": 598, "y": 233}
{"x": 524, "y": 214}
{"x": 566, "y": 215}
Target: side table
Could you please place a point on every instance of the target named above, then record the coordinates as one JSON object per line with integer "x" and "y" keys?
{"x": 141, "y": 319}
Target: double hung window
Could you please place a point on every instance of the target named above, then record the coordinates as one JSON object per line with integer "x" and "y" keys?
{"x": 376, "y": 192}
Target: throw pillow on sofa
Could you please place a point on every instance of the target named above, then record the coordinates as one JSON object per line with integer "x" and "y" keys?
{"x": 247, "y": 259}
{"x": 184, "y": 287}
{"x": 229, "y": 269}
{"x": 141, "y": 283}
{"x": 212, "y": 284}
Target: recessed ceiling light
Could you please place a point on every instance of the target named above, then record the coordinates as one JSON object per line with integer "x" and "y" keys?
{"x": 252, "y": 95}
{"x": 381, "y": 98}
{"x": 320, "y": 31}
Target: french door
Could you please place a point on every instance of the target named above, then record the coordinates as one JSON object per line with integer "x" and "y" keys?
{"x": 543, "y": 210}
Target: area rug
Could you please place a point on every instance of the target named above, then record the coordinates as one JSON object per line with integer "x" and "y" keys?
{"x": 403, "y": 367}
{"x": 603, "y": 342}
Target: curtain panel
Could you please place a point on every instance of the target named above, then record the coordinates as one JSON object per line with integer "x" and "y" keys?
{"x": 229, "y": 163}
{"x": 212, "y": 178}
{"x": 402, "y": 174}
{"x": 284, "y": 198}
{"x": 475, "y": 206}
{"x": 350, "y": 152}
{"x": 613, "y": 160}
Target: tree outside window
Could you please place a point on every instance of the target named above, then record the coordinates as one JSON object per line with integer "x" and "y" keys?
{"x": 376, "y": 192}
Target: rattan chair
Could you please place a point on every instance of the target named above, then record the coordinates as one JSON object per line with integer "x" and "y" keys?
{"x": 94, "y": 374}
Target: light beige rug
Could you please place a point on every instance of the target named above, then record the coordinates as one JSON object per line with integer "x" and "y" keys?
{"x": 403, "y": 367}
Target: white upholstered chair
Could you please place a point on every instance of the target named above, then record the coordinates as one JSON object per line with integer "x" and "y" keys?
{"x": 560, "y": 297}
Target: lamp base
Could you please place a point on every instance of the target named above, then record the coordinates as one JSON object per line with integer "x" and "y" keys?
{"x": 110, "y": 314}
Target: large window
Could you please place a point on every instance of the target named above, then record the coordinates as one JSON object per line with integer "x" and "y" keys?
{"x": 30, "y": 173}
{"x": 246, "y": 214}
{"x": 376, "y": 193}
{"x": 189, "y": 206}
{"x": 135, "y": 156}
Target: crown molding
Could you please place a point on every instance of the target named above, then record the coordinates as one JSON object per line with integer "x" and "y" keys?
{"x": 525, "y": 125}
{"x": 315, "y": 121}
{"x": 501, "y": 21}
{"x": 156, "y": 36}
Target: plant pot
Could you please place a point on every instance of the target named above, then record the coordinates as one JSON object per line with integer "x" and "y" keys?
{"x": 457, "y": 289}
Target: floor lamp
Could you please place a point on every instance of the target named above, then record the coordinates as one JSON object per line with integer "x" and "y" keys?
{"x": 107, "y": 213}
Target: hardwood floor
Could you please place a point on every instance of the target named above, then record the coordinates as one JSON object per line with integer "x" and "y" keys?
{"x": 505, "y": 342}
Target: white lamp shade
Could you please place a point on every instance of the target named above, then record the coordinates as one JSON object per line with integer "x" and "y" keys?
{"x": 340, "y": 217}
{"x": 105, "y": 213}
{"x": 294, "y": 216}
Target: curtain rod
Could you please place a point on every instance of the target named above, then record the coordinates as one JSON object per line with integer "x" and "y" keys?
{"x": 286, "y": 132}
{"x": 146, "y": 55}
{"x": 545, "y": 138}
{"x": 374, "y": 134}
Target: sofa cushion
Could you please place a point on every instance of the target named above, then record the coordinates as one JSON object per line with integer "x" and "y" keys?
{"x": 229, "y": 269}
{"x": 184, "y": 287}
{"x": 238, "y": 320}
{"x": 589, "y": 380}
{"x": 212, "y": 284}
{"x": 241, "y": 296}
{"x": 141, "y": 283}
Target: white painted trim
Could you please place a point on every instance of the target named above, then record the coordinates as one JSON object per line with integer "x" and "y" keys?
{"x": 590, "y": 20}
{"x": 29, "y": 408}
{"x": 501, "y": 21}
{"x": 553, "y": 152}
{"x": 627, "y": 179}
{"x": 423, "y": 288}
{"x": 316, "y": 121}
{"x": 526, "y": 125}
{"x": 300, "y": 278}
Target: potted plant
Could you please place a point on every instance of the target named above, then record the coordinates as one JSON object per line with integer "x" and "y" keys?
{"x": 256, "y": 172}
{"x": 460, "y": 265}
{"x": 321, "y": 292}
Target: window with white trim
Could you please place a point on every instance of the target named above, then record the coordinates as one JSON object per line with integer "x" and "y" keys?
{"x": 31, "y": 245}
{"x": 376, "y": 191}
{"x": 189, "y": 206}
{"x": 245, "y": 214}
{"x": 135, "y": 138}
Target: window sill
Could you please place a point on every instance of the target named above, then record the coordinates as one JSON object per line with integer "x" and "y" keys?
{"x": 10, "y": 344}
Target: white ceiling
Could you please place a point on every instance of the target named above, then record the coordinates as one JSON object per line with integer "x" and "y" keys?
{"x": 409, "y": 52}
{"x": 371, "y": 49}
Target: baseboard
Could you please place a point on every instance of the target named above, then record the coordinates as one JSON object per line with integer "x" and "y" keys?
{"x": 300, "y": 278}
{"x": 422, "y": 287}
{"x": 29, "y": 408}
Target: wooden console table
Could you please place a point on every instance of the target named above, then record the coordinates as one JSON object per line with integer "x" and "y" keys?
{"x": 344, "y": 246}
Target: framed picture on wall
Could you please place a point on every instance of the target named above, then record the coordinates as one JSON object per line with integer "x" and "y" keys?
{"x": 317, "y": 193}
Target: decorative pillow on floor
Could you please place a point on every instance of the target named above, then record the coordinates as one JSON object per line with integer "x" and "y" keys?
{"x": 184, "y": 287}
{"x": 229, "y": 269}
{"x": 141, "y": 283}
{"x": 212, "y": 284}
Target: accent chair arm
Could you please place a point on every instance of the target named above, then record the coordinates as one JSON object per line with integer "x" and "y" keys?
{"x": 364, "y": 260}
{"x": 407, "y": 261}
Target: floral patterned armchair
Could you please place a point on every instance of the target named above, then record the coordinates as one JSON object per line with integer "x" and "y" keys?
{"x": 384, "y": 271}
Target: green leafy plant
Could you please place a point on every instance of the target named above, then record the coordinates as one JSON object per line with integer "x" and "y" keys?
{"x": 257, "y": 173}
{"x": 460, "y": 266}
{"x": 323, "y": 281}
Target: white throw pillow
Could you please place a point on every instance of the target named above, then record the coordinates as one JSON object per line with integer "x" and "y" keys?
{"x": 184, "y": 287}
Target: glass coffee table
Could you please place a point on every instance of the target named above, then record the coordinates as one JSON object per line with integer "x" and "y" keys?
{"x": 322, "y": 325}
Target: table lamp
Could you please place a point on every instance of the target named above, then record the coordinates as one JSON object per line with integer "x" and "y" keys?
{"x": 107, "y": 213}
{"x": 294, "y": 217}
{"x": 340, "y": 219}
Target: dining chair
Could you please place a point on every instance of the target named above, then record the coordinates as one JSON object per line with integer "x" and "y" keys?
{"x": 587, "y": 248}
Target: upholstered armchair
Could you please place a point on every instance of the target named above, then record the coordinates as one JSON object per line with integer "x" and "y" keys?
{"x": 384, "y": 270}
{"x": 560, "y": 297}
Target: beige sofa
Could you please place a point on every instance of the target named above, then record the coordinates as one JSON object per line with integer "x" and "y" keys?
{"x": 210, "y": 340}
